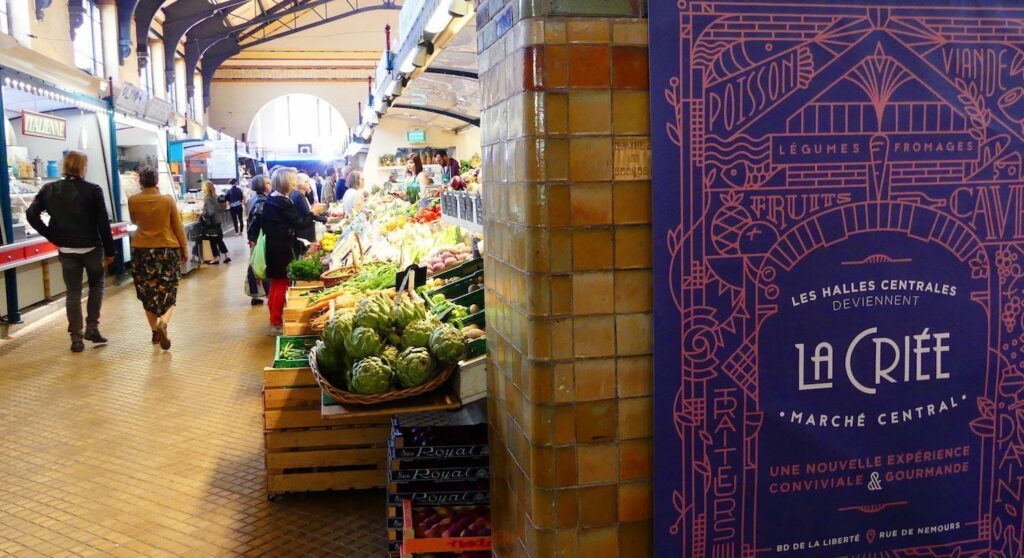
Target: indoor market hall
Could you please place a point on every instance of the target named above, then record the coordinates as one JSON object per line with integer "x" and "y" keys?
{"x": 512, "y": 278}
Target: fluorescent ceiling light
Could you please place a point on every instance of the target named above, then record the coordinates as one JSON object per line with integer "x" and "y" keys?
{"x": 439, "y": 19}
{"x": 458, "y": 8}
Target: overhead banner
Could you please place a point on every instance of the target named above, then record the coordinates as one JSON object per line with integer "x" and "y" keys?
{"x": 839, "y": 278}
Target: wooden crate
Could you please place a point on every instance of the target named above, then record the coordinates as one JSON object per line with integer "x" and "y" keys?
{"x": 304, "y": 452}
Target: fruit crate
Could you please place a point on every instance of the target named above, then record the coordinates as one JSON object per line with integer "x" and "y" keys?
{"x": 285, "y": 342}
{"x": 458, "y": 287}
{"x": 463, "y": 269}
{"x": 304, "y": 452}
{"x": 444, "y": 529}
{"x": 410, "y": 441}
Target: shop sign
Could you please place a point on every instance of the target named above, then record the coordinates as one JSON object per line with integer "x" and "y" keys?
{"x": 131, "y": 99}
{"x": 632, "y": 159}
{"x": 43, "y": 125}
{"x": 158, "y": 110}
{"x": 838, "y": 234}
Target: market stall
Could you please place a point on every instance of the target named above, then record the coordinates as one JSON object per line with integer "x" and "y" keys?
{"x": 41, "y": 123}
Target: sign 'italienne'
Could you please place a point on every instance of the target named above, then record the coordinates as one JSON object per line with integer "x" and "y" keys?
{"x": 43, "y": 125}
{"x": 839, "y": 278}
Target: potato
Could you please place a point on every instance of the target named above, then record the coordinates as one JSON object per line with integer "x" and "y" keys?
{"x": 475, "y": 334}
{"x": 473, "y": 308}
{"x": 450, "y": 261}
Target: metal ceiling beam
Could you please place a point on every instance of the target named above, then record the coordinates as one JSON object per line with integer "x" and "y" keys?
{"x": 272, "y": 15}
{"x": 449, "y": 114}
{"x": 202, "y": 37}
{"x": 183, "y": 15}
{"x": 125, "y": 12}
{"x": 387, "y": 5}
{"x": 212, "y": 59}
{"x": 145, "y": 11}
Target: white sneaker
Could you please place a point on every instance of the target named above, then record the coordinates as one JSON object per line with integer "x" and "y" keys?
{"x": 275, "y": 331}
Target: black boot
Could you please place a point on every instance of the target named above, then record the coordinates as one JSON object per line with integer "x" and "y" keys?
{"x": 77, "y": 345}
{"x": 95, "y": 336}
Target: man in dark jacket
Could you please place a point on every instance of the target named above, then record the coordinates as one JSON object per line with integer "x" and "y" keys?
{"x": 236, "y": 200}
{"x": 80, "y": 228}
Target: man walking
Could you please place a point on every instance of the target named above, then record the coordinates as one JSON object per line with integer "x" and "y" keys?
{"x": 327, "y": 192}
{"x": 80, "y": 228}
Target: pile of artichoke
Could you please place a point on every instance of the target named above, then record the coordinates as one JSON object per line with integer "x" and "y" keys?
{"x": 385, "y": 345}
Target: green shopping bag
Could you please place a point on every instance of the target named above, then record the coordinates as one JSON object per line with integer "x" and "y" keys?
{"x": 258, "y": 259}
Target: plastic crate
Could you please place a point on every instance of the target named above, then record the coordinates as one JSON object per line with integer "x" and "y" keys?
{"x": 458, "y": 287}
{"x": 286, "y": 341}
{"x": 465, "y": 268}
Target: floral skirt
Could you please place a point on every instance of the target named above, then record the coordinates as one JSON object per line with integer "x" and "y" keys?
{"x": 156, "y": 272}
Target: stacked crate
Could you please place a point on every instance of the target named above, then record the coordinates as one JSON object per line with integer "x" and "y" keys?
{"x": 432, "y": 464}
{"x": 303, "y": 451}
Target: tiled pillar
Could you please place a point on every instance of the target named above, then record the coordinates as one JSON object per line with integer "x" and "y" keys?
{"x": 568, "y": 257}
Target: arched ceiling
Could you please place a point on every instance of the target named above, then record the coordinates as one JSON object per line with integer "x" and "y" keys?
{"x": 447, "y": 94}
{"x": 211, "y": 33}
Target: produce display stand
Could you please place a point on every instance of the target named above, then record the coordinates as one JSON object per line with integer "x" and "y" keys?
{"x": 304, "y": 452}
{"x": 441, "y": 399}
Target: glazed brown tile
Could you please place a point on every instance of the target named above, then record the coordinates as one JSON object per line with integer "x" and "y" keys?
{"x": 556, "y": 66}
{"x": 589, "y": 66}
{"x": 562, "y": 342}
{"x": 565, "y": 424}
{"x": 631, "y": 112}
{"x": 595, "y": 379}
{"x": 533, "y": 67}
{"x": 561, "y": 294}
{"x": 635, "y": 376}
{"x": 630, "y": 32}
{"x": 635, "y": 539}
{"x": 601, "y": 542}
{"x": 566, "y": 508}
{"x": 561, "y": 251}
{"x": 597, "y": 463}
{"x": 597, "y": 505}
{"x": 635, "y": 501}
{"x": 589, "y": 112}
{"x": 594, "y": 336}
{"x": 633, "y": 334}
{"x": 590, "y": 30}
{"x": 634, "y": 418}
{"x": 632, "y": 203}
{"x": 565, "y": 390}
{"x": 633, "y": 291}
{"x": 556, "y": 112}
{"x": 592, "y": 249}
{"x": 565, "y": 466}
{"x": 556, "y": 159}
{"x": 554, "y": 32}
{"x": 591, "y": 204}
{"x": 592, "y": 293}
{"x": 596, "y": 421}
{"x": 590, "y": 159}
{"x": 629, "y": 67}
{"x": 635, "y": 459}
{"x": 632, "y": 247}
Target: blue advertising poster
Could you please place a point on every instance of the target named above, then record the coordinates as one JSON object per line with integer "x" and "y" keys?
{"x": 839, "y": 278}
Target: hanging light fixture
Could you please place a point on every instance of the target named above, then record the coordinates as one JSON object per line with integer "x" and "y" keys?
{"x": 439, "y": 19}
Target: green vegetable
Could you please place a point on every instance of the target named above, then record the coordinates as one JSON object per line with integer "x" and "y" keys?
{"x": 331, "y": 364}
{"x": 371, "y": 375}
{"x": 374, "y": 276}
{"x": 417, "y": 334}
{"x": 293, "y": 352}
{"x": 374, "y": 312}
{"x": 337, "y": 330}
{"x": 414, "y": 368}
{"x": 389, "y": 354}
{"x": 362, "y": 342}
{"x": 448, "y": 344}
{"x": 406, "y": 312}
{"x": 305, "y": 269}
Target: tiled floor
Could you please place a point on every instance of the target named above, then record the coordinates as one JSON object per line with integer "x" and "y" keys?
{"x": 124, "y": 450}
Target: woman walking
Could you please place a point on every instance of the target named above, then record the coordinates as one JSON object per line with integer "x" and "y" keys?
{"x": 159, "y": 247}
{"x": 281, "y": 223}
{"x": 211, "y": 225}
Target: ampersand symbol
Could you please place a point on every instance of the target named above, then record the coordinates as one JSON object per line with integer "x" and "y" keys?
{"x": 876, "y": 483}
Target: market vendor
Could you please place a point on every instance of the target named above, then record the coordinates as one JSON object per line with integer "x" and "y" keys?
{"x": 450, "y": 167}
{"x": 416, "y": 182}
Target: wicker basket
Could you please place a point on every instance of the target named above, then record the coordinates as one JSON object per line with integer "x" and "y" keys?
{"x": 349, "y": 398}
{"x": 338, "y": 275}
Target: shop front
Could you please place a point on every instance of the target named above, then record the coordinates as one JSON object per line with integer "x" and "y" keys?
{"x": 42, "y": 121}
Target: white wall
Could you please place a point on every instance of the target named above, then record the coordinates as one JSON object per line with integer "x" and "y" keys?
{"x": 233, "y": 105}
{"x": 390, "y": 135}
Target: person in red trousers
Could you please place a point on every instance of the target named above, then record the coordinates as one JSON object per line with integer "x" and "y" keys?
{"x": 281, "y": 223}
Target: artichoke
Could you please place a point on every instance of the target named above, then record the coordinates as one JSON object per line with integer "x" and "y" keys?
{"x": 406, "y": 312}
{"x": 331, "y": 364}
{"x": 448, "y": 344}
{"x": 362, "y": 342}
{"x": 374, "y": 312}
{"x": 337, "y": 330}
{"x": 389, "y": 354}
{"x": 417, "y": 334}
{"x": 371, "y": 375}
{"x": 414, "y": 367}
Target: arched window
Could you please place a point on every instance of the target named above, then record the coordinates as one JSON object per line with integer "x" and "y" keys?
{"x": 87, "y": 35}
{"x": 5, "y": 17}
